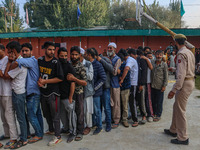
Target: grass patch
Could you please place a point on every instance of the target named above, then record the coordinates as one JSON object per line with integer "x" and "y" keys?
{"x": 197, "y": 82}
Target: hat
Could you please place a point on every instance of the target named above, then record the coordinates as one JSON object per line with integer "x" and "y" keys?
{"x": 112, "y": 44}
{"x": 180, "y": 36}
{"x": 82, "y": 51}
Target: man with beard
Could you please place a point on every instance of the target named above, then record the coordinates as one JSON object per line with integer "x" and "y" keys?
{"x": 99, "y": 79}
{"x": 81, "y": 81}
{"x": 68, "y": 115}
{"x": 51, "y": 74}
{"x": 88, "y": 93}
{"x": 159, "y": 80}
{"x": 182, "y": 88}
{"x": 33, "y": 92}
{"x": 115, "y": 87}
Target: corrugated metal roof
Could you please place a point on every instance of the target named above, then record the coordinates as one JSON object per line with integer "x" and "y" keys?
{"x": 151, "y": 32}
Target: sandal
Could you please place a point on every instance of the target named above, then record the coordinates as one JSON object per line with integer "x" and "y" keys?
{"x": 1, "y": 145}
{"x": 70, "y": 138}
{"x": 135, "y": 124}
{"x": 115, "y": 125}
{"x": 9, "y": 144}
{"x": 156, "y": 119}
{"x": 79, "y": 137}
{"x": 86, "y": 131}
{"x": 49, "y": 133}
{"x": 19, "y": 144}
{"x": 34, "y": 139}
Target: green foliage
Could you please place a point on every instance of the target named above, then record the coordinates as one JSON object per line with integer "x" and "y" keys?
{"x": 123, "y": 9}
{"x": 61, "y": 14}
{"x": 17, "y": 21}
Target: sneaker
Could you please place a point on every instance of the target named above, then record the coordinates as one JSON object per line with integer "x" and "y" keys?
{"x": 168, "y": 132}
{"x": 150, "y": 119}
{"x": 125, "y": 124}
{"x": 97, "y": 131}
{"x": 55, "y": 141}
{"x": 108, "y": 128}
{"x": 176, "y": 141}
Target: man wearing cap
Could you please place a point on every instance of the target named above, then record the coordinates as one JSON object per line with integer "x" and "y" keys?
{"x": 182, "y": 89}
{"x": 88, "y": 93}
{"x": 115, "y": 87}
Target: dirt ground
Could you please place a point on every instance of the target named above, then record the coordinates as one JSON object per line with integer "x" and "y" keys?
{"x": 144, "y": 137}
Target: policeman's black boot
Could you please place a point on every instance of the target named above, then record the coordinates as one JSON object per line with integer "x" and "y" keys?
{"x": 176, "y": 141}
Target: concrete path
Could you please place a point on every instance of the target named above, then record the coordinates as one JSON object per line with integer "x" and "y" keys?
{"x": 144, "y": 137}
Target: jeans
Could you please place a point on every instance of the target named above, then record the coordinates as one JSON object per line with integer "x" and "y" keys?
{"x": 105, "y": 99}
{"x": 34, "y": 114}
{"x": 157, "y": 101}
{"x": 96, "y": 117}
{"x": 19, "y": 106}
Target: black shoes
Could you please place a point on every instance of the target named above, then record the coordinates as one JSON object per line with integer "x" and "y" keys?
{"x": 168, "y": 132}
{"x": 176, "y": 141}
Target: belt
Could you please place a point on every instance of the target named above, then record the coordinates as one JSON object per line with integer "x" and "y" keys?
{"x": 191, "y": 78}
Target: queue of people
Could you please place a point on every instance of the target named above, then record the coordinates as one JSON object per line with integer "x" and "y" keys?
{"x": 75, "y": 91}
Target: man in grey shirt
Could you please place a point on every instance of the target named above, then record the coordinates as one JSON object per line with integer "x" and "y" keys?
{"x": 159, "y": 80}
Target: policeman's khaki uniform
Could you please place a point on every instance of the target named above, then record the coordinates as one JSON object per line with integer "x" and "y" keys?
{"x": 183, "y": 88}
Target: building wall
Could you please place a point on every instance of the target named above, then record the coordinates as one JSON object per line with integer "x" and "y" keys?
{"x": 100, "y": 43}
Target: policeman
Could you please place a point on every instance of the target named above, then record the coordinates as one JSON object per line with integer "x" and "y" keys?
{"x": 182, "y": 89}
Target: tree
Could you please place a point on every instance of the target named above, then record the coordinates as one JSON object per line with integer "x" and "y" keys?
{"x": 123, "y": 9}
{"x": 62, "y": 14}
{"x": 17, "y": 22}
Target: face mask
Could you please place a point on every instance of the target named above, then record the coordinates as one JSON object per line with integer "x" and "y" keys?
{"x": 110, "y": 53}
{"x": 75, "y": 60}
{"x": 62, "y": 60}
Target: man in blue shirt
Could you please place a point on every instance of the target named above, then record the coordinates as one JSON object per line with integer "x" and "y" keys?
{"x": 33, "y": 92}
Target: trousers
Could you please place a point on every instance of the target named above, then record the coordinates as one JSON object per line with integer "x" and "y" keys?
{"x": 8, "y": 117}
{"x": 115, "y": 104}
{"x": 51, "y": 111}
{"x": 179, "y": 122}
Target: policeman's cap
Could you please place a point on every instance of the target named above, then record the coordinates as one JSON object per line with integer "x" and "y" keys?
{"x": 180, "y": 36}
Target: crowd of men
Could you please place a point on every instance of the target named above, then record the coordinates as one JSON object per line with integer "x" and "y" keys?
{"x": 77, "y": 91}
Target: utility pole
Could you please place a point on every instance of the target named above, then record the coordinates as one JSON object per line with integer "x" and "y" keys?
{"x": 11, "y": 14}
{"x": 5, "y": 18}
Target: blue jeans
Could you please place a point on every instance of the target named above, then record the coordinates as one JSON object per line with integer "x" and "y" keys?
{"x": 157, "y": 101}
{"x": 105, "y": 99}
{"x": 96, "y": 117}
{"x": 34, "y": 114}
{"x": 19, "y": 106}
